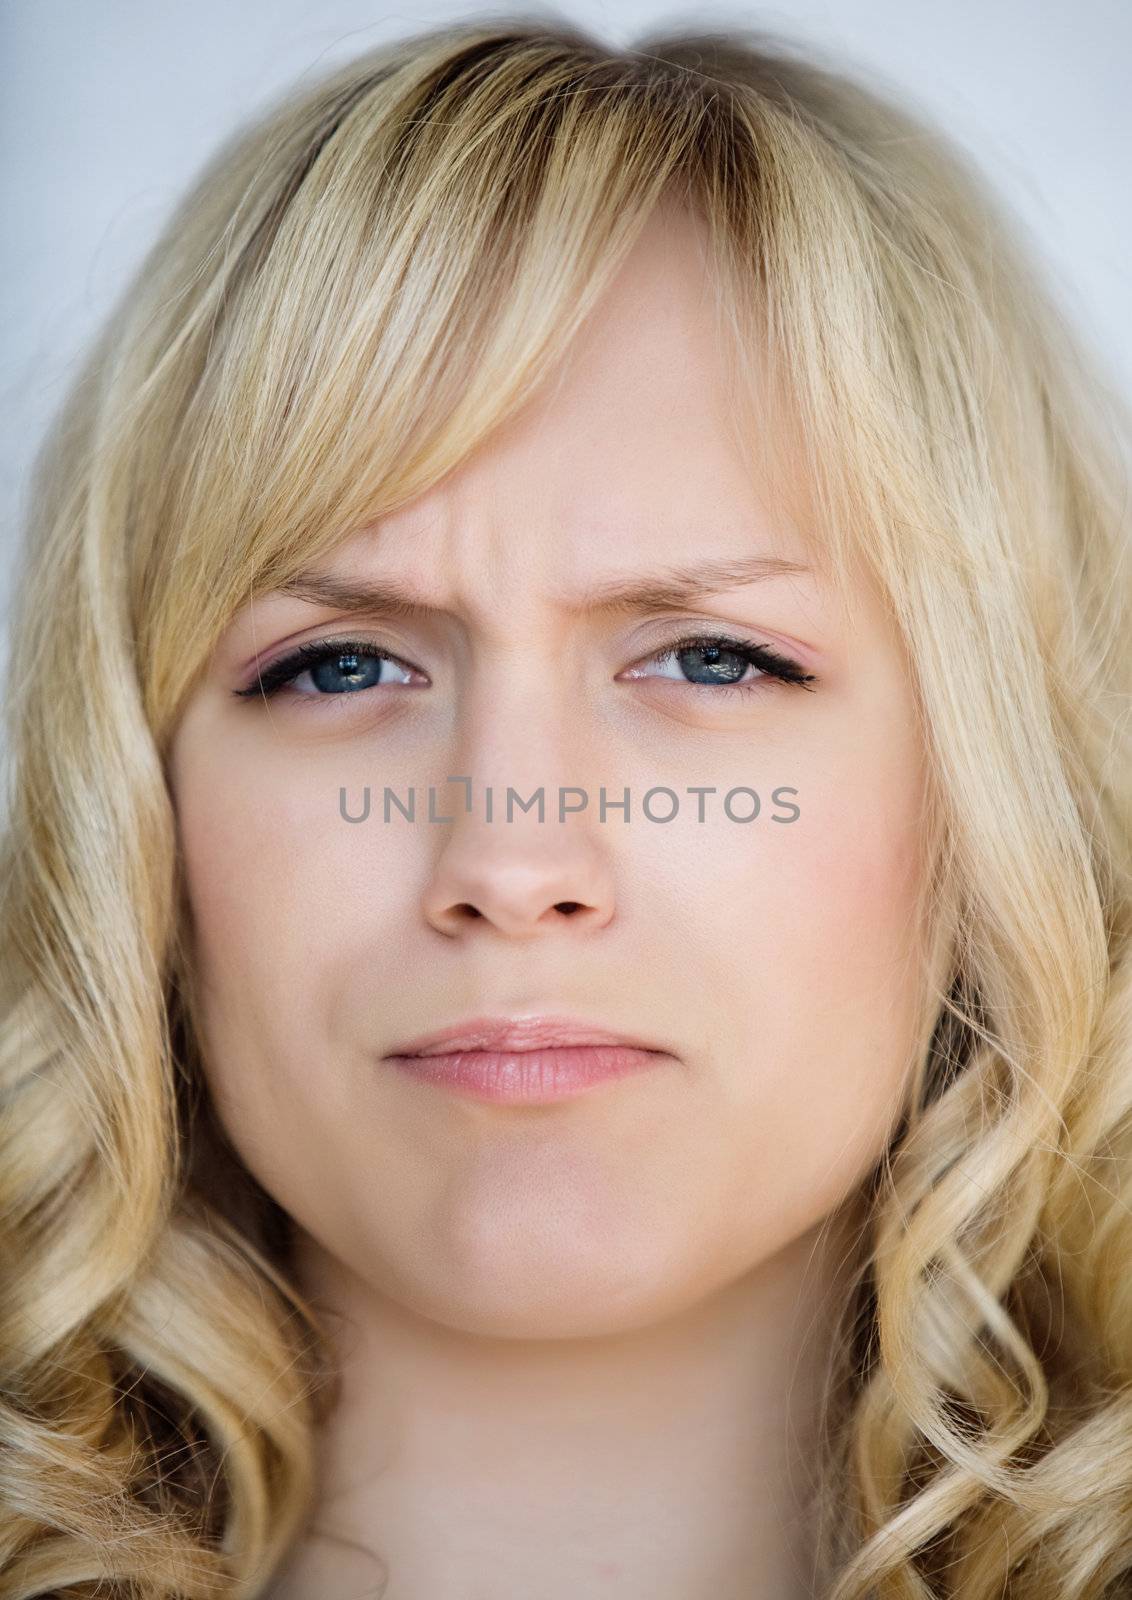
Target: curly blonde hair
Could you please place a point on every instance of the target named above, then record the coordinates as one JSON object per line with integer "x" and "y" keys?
{"x": 360, "y": 287}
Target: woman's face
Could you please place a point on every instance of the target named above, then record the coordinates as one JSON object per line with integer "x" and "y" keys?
{"x": 771, "y": 958}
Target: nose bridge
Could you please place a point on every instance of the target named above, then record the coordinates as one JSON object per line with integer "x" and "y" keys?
{"x": 522, "y": 850}
{"x": 520, "y": 727}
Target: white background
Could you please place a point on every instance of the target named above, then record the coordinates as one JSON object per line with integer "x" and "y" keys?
{"x": 108, "y": 108}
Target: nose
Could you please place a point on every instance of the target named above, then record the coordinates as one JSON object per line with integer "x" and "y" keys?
{"x": 520, "y": 893}
{"x": 498, "y": 866}
{"x": 523, "y": 877}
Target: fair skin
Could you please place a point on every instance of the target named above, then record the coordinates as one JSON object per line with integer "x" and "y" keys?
{"x": 581, "y": 1342}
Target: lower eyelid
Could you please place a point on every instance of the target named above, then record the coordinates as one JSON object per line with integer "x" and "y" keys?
{"x": 713, "y": 691}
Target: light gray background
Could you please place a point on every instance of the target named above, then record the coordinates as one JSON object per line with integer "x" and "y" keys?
{"x": 108, "y": 107}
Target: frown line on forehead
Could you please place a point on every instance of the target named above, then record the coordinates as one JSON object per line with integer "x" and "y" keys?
{"x": 668, "y": 586}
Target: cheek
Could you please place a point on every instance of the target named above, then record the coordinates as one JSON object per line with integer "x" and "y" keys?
{"x": 293, "y": 909}
{"x": 274, "y": 871}
{"x": 824, "y": 982}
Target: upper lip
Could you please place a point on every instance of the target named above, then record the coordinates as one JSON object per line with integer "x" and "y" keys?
{"x": 532, "y": 1032}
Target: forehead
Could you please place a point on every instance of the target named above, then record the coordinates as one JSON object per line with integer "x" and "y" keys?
{"x": 628, "y": 448}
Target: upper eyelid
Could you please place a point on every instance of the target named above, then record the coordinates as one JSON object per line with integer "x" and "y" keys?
{"x": 295, "y": 654}
{"x": 725, "y": 632}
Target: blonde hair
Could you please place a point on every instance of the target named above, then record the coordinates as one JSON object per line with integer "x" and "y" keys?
{"x": 360, "y": 287}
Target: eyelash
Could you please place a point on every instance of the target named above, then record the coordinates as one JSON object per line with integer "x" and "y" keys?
{"x": 773, "y": 665}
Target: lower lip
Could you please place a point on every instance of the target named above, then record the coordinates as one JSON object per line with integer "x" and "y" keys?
{"x": 529, "y": 1076}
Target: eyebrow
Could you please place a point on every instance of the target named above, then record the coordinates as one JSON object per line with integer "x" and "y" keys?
{"x": 670, "y": 586}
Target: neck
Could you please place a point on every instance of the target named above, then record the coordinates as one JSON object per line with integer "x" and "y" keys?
{"x": 673, "y": 1460}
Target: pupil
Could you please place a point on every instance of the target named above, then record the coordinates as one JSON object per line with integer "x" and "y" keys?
{"x": 716, "y": 662}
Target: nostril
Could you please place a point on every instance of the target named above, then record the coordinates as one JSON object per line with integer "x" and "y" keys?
{"x": 568, "y": 906}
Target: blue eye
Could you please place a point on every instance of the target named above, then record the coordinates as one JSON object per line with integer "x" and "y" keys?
{"x": 718, "y": 663}
{"x": 335, "y": 667}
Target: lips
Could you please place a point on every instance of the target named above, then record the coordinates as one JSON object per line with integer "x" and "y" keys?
{"x": 525, "y": 1061}
{"x": 518, "y": 1034}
